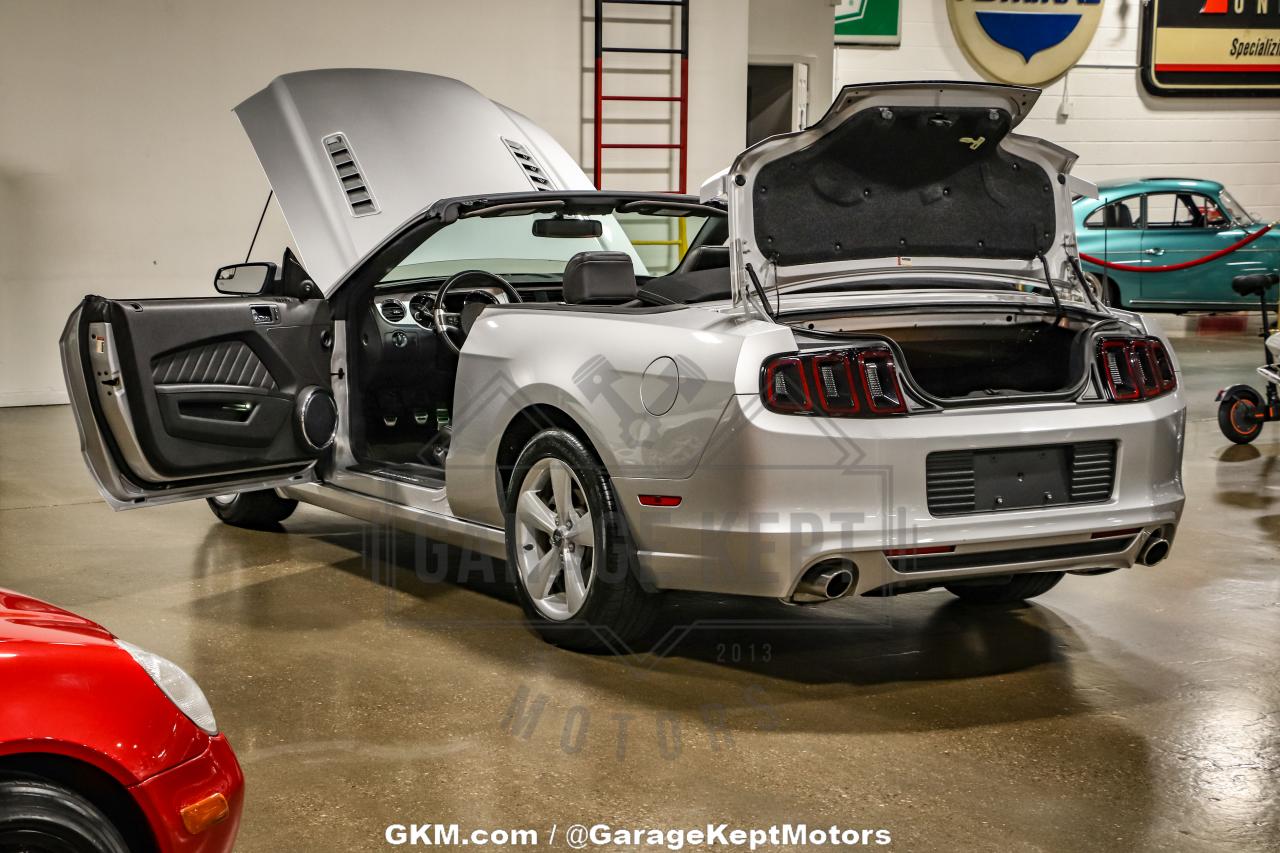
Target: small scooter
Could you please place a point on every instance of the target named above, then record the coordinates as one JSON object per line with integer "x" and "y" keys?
{"x": 1241, "y": 409}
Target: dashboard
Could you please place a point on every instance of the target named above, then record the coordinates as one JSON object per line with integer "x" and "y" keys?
{"x": 397, "y": 340}
{"x": 414, "y": 309}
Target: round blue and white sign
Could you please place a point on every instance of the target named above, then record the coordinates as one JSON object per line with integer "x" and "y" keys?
{"x": 1024, "y": 41}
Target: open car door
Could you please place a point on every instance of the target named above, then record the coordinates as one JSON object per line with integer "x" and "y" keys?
{"x": 189, "y": 398}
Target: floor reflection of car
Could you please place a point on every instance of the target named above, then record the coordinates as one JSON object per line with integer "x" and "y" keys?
{"x": 105, "y": 747}
{"x": 808, "y": 405}
{"x": 1156, "y": 229}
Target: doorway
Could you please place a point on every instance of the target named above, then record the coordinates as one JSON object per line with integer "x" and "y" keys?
{"x": 777, "y": 99}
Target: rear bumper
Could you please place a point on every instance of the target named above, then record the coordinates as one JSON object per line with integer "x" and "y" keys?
{"x": 776, "y": 494}
{"x": 164, "y": 796}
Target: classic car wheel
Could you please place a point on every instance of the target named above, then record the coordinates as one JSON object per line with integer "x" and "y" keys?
{"x": 1235, "y": 415}
{"x": 1103, "y": 288}
{"x": 255, "y": 510}
{"x": 570, "y": 550}
{"x": 39, "y": 816}
{"x": 1017, "y": 588}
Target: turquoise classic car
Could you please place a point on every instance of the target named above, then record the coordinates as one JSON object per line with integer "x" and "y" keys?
{"x": 1171, "y": 244}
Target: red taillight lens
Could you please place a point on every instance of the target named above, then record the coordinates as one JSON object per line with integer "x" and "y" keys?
{"x": 785, "y": 386}
{"x": 1135, "y": 368}
{"x": 838, "y": 383}
{"x": 1164, "y": 366}
{"x": 880, "y": 381}
{"x": 833, "y": 378}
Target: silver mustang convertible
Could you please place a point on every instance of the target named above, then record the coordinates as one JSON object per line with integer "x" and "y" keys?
{"x": 861, "y": 362}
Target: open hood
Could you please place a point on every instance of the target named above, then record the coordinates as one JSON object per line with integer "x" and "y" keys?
{"x": 900, "y": 172}
{"x": 352, "y": 153}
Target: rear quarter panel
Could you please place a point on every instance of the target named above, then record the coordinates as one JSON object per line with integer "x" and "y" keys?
{"x": 591, "y": 367}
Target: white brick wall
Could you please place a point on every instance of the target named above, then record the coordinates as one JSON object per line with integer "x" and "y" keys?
{"x": 1116, "y": 128}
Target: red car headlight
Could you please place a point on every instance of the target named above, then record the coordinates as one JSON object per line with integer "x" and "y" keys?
{"x": 174, "y": 682}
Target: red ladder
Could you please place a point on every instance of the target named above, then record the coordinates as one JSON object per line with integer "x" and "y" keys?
{"x": 682, "y": 99}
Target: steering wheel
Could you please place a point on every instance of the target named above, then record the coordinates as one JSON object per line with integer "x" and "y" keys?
{"x": 453, "y": 328}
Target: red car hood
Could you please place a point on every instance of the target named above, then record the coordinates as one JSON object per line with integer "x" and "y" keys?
{"x": 26, "y": 619}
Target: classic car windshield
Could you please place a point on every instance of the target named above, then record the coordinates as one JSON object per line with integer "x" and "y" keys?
{"x": 1238, "y": 214}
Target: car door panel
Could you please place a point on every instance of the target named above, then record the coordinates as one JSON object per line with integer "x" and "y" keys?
{"x": 192, "y": 394}
{"x": 1179, "y": 231}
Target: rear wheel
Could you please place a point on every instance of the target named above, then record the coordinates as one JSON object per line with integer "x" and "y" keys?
{"x": 1098, "y": 284}
{"x": 41, "y": 817}
{"x": 1236, "y": 415}
{"x": 1017, "y": 588}
{"x": 255, "y": 510}
{"x": 570, "y": 550}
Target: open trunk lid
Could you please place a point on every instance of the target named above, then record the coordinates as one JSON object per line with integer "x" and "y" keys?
{"x": 354, "y": 152}
{"x": 897, "y": 174}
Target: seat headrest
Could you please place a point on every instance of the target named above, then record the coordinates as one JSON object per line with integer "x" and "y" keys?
{"x": 1254, "y": 284}
{"x": 1118, "y": 216}
{"x": 600, "y": 277}
{"x": 706, "y": 258}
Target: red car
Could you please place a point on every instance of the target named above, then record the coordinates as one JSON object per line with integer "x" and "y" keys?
{"x": 105, "y": 746}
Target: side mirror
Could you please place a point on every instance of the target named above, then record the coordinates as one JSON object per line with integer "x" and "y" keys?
{"x": 244, "y": 279}
{"x": 567, "y": 228}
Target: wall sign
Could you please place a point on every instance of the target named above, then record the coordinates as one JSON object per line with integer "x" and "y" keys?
{"x": 1211, "y": 47}
{"x": 869, "y": 22}
{"x": 1029, "y": 42}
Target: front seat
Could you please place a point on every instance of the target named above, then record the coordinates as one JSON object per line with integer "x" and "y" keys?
{"x": 599, "y": 278}
{"x": 1118, "y": 216}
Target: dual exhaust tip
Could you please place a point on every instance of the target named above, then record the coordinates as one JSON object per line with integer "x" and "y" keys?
{"x": 826, "y": 581}
{"x": 1154, "y": 550}
{"x": 832, "y": 579}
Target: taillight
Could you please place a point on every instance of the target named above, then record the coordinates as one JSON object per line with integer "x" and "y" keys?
{"x": 1135, "y": 368}
{"x": 838, "y": 383}
{"x": 1164, "y": 366}
{"x": 880, "y": 381}
{"x": 833, "y": 377}
{"x": 785, "y": 387}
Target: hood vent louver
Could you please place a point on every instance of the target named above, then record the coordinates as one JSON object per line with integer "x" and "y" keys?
{"x": 532, "y": 169}
{"x": 350, "y": 177}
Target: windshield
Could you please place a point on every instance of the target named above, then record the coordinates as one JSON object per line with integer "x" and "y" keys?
{"x": 1238, "y": 214}
{"x": 506, "y": 245}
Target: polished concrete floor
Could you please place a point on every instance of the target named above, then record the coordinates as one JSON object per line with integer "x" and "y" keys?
{"x": 1135, "y": 711}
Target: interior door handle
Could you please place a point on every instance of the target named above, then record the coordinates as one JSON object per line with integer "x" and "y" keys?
{"x": 1153, "y": 251}
{"x": 263, "y": 314}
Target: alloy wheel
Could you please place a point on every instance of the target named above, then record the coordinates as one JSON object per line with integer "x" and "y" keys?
{"x": 555, "y": 540}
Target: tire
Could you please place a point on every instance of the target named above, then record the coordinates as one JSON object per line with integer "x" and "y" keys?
{"x": 38, "y": 815}
{"x": 255, "y": 510}
{"x": 1099, "y": 285}
{"x": 1233, "y": 414}
{"x": 607, "y": 609}
{"x": 1017, "y": 588}
{"x": 1104, "y": 289}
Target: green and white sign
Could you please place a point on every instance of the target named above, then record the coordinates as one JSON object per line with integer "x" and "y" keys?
{"x": 869, "y": 22}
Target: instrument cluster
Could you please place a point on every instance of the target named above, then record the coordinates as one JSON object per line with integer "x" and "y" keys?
{"x": 415, "y": 309}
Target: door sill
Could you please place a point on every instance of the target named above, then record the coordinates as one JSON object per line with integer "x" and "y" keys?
{"x": 352, "y": 498}
{"x": 423, "y": 476}
{"x": 1206, "y": 307}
